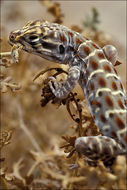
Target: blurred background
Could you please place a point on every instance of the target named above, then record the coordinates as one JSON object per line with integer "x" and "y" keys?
{"x": 34, "y": 127}
{"x": 15, "y": 14}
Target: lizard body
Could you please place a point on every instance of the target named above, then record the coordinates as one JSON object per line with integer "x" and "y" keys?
{"x": 93, "y": 68}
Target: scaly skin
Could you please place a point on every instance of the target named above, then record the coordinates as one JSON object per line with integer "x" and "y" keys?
{"x": 93, "y": 68}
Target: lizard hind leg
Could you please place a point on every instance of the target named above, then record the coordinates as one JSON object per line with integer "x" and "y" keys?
{"x": 98, "y": 147}
{"x": 110, "y": 53}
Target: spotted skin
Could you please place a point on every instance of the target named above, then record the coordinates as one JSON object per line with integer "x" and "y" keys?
{"x": 93, "y": 68}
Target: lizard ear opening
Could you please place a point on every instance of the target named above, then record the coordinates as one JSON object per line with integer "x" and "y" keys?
{"x": 61, "y": 49}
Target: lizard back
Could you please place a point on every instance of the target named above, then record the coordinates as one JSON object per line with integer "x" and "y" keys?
{"x": 104, "y": 92}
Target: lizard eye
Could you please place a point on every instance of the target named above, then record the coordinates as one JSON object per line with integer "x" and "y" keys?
{"x": 61, "y": 49}
{"x": 33, "y": 37}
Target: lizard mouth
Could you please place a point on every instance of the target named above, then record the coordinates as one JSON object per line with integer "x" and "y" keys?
{"x": 12, "y": 37}
{"x": 11, "y": 43}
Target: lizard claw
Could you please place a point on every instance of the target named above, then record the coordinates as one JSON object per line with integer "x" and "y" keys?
{"x": 52, "y": 78}
{"x": 56, "y": 88}
{"x": 53, "y": 84}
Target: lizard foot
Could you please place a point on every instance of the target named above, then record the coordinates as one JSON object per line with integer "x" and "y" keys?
{"x": 57, "y": 88}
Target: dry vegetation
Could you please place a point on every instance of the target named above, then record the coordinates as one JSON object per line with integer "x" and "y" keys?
{"x": 37, "y": 138}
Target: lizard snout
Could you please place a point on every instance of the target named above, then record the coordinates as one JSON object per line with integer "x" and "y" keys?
{"x": 12, "y": 37}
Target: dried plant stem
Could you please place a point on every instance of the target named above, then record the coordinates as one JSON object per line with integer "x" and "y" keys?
{"x": 33, "y": 168}
{"x": 26, "y": 131}
{"x": 66, "y": 179}
{"x": 5, "y": 54}
{"x": 3, "y": 184}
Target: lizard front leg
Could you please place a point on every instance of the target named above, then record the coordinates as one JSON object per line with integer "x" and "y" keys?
{"x": 61, "y": 90}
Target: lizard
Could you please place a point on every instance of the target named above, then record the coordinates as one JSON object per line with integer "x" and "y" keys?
{"x": 93, "y": 68}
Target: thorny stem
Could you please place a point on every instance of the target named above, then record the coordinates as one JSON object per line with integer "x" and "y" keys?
{"x": 80, "y": 114}
{"x": 24, "y": 128}
{"x": 16, "y": 170}
{"x": 32, "y": 168}
{"x": 49, "y": 69}
{"x": 66, "y": 179}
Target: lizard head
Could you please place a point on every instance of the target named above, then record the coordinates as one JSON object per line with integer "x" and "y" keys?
{"x": 44, "y": 39}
